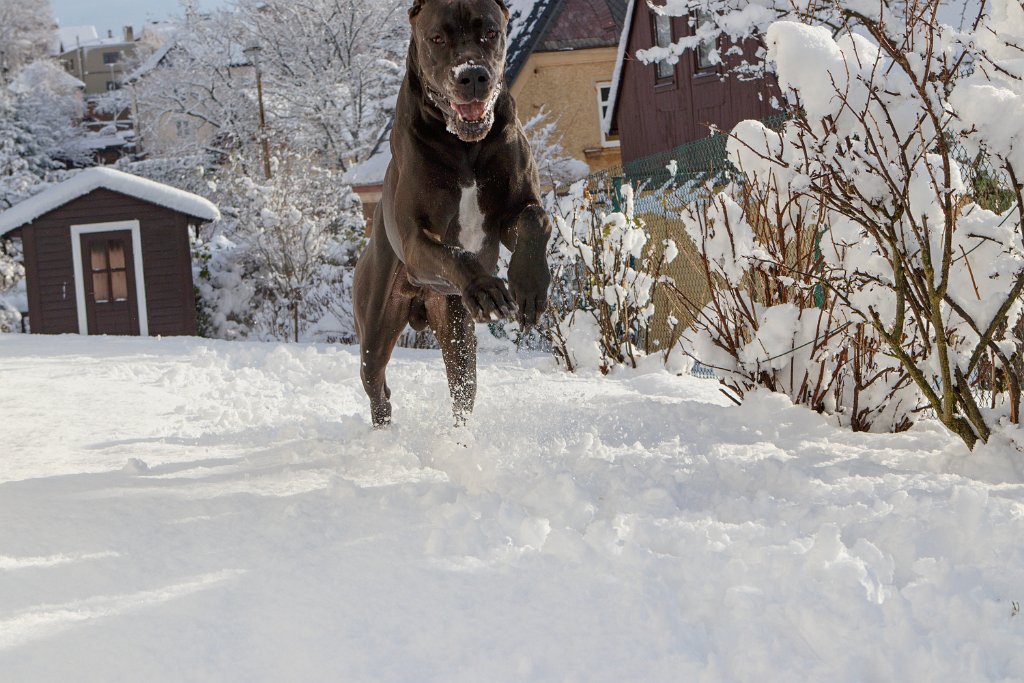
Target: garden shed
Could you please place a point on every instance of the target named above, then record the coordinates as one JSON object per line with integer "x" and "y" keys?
{"x": 107, "y": 252}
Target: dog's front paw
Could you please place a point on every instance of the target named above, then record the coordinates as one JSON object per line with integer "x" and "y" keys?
{"x": 488, "y": 299}
{"x": 529, "y": 287}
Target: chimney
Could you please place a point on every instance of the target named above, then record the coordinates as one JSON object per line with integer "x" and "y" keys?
{"x": 110, "y": 34}
{"x": 129, "y": 34}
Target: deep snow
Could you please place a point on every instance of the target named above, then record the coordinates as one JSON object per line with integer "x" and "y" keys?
{"x": 185, "y": 509}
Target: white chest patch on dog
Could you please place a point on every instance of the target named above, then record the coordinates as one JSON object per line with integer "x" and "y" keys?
{"x": 471, "y": 220}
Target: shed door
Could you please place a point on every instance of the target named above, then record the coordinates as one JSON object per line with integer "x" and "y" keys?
{"x": 111, "y": 301}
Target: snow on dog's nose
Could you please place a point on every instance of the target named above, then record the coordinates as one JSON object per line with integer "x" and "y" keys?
{"x": 472, "y": 82}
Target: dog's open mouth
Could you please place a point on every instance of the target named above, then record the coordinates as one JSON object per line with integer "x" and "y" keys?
{"x": 472, "y": 121}
{"x": 473, "y": 112}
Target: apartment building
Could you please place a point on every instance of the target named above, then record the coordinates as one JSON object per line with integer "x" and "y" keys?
{"x": 99, "y": 62}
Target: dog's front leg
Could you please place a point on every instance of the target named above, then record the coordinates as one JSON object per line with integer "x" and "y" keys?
{"x": 431, "y": 262}
{"x": 528, "y": 273}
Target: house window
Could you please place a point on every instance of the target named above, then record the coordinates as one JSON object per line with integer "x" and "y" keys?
{"x": 604, "y": 94}
{"x": 109, "y": 271}
{"x": 706, "y": 47}
{"x": 111, "y": 57}
{"x": 182, "y": 128}
{"x": 663, "y": 38}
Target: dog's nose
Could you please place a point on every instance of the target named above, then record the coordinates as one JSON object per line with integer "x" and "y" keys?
{"x": 474, "y": 82}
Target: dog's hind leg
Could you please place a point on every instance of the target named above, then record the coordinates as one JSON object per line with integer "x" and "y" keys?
{"x": 381, "y": 312}
{"x": 454, "y": 330}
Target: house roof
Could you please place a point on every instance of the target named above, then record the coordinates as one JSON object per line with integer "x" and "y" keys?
{"x": 582, "y": 24}
{"x": 528, "y": 21}
{"x": 30, "y": 77}
{"x": 90, "y": 179}
{"x": 70, "y": 37}
{"x": 371, "y": 171}
{"x": 610, "y": 123}
{"x": 151, "y": 62}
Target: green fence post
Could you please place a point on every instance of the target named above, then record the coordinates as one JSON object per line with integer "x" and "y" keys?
{"x": 617, "y": 193}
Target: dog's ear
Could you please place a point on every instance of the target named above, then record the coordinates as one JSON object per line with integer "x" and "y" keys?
{"x": 417, "y": 5}
{"x": 503, "y": 6}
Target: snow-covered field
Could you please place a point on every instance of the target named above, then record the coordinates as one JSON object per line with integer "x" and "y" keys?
{"x": 190, "y": 510}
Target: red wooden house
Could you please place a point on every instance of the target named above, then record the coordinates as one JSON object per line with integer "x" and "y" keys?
{"x": 660, "y": 106}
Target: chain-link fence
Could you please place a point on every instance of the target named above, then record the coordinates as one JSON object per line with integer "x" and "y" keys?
{"x": 663, "y": 184}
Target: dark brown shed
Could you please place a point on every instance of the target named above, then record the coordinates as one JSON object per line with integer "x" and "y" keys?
{"x": 108, "y": 253}
{"x": 658, "y": 107}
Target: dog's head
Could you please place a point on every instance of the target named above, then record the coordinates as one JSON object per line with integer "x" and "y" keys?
{"x": 460, "y": 48}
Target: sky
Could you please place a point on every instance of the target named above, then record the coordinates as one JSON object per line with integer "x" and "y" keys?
{"x": 113, "y": 14}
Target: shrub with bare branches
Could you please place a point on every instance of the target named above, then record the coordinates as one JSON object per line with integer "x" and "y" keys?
{"x": 888, "y": 114}
{"x": 605, "y": 272}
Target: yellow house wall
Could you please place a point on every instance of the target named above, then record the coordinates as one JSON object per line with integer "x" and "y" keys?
{"x": 91, "y": 70}
{"x": 565, "y": 83}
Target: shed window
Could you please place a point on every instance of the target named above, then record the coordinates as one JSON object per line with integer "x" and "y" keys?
{"x": 706, "y": 47}
{"x": 111, "y": 57}
{"x": 109, "y": 271}
{"x": 663, "y": 38}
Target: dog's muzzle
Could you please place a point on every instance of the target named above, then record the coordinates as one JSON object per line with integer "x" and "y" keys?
{"x": 469, "y": 108}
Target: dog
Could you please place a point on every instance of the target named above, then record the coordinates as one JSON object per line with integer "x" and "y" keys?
{"x": 462, "y": 181}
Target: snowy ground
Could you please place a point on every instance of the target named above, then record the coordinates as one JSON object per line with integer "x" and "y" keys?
{"x": 186, "y": 510}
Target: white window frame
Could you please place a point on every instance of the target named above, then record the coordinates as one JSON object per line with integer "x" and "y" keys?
{"x": 140, "y": 281}
{"x": 601, "y": 104}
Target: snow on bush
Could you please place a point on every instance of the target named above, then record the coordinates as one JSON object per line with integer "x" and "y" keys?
{"x": 39, "y": 112}
{"x": 12, "y": 277}
{"x": 863, "y": 200}
{"x": 278, "y": 265}
{"x": 605, "y": 270}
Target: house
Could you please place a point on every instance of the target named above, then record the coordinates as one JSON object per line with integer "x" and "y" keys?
{"x": 108, "y": 253}
{"x": 97, "y": 62}
{"x": 659, "y": 106}
{"x": 561, "y": 58}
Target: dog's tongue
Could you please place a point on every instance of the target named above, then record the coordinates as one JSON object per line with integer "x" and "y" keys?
{"x": 474, "y": 111}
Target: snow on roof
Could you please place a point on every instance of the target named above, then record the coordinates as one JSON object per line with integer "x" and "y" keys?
{"x": 527, "y": 20}
{"x": 372, "y": 170}
{"x": 91, "y": 179}
{"x": 620, "y": 62}
{"x": 150, "y": 62}
{"x": 40, "y": 72}
{"x": 71, "y": 37}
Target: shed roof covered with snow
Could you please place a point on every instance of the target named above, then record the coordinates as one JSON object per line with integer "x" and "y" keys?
{"x": 117, "y": 181}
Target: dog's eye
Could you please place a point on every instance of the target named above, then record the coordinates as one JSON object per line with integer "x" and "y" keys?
{"x": 437, "y": 40}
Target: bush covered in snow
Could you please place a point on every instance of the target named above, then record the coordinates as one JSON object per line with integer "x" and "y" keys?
{"x": 278, "y": 265}
{"x": 864, "y": 203}
{"x": 605, "y": 270}
{"x": 285, "y": 255}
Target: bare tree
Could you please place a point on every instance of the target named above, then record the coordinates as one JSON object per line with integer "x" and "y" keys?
{"x": 329, "y": 72}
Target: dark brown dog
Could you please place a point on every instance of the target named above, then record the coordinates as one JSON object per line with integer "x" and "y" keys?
{"x": 461, "y": 181}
